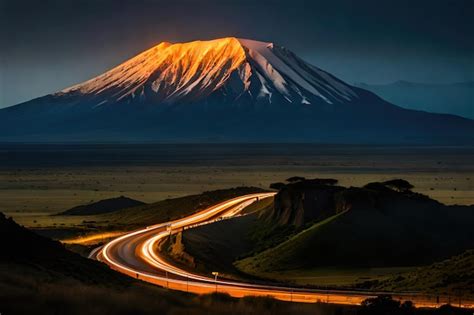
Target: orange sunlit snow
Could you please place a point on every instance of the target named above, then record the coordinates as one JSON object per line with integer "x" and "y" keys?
{"x": 174, "y": 69}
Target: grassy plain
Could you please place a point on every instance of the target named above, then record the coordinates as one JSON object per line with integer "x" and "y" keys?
{"x": 39, "y": 179}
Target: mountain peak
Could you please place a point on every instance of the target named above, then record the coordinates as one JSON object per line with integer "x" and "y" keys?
{"x": 260, "y": 71}
{"x": 227, "y": 89}
{"x": 174, "y": 67}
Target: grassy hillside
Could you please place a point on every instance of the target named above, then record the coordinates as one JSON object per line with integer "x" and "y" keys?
{"x": 171, "y": 209}
{"x": 452, "y": 276}
{"x": 294, "y": 250}
{"x": 375, "y": 232}
{"x": 216, "y": 246}
{"x": 381, "y": 229}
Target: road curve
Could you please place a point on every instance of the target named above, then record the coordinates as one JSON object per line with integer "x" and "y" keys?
{"x": 136, "y": 254}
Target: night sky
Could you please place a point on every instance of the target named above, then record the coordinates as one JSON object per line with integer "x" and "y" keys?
{"x": 49, "y": 45}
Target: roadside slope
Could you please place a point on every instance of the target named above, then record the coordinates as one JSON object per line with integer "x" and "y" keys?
{"x": 171, "y": 209}
{"x": 96, "y": 228}
{"x": 216, "y": 246}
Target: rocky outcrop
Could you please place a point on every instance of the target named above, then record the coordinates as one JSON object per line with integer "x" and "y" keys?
{"x": 177, "y": 251}
{"x": 304, "y": 201}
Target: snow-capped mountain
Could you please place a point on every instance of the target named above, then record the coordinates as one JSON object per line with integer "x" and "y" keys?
{"x": 227, "y": 89}
{"x": 239, "y": 68}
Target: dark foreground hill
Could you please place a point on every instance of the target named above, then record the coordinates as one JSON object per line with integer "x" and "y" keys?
{"x": 39, "y": 276}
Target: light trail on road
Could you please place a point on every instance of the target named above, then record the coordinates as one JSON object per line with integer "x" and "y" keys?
{"x": 137, "y": 254}
{"x": 87, "y": 239}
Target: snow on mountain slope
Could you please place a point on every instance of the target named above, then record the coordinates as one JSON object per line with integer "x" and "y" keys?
{"x": 223, "y": 90}
{"x": 170, "y": 70}
{"x": 171, "y": 73}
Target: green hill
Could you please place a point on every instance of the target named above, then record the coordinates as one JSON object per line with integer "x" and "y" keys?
{"x": 317, "y": 233}
{"x": 375, "y": 230}
{"x": 216, "y": 246}
{"x": 393, "y": 229}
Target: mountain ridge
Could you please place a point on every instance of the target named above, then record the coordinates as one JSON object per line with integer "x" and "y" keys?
{"x": 453, "y": 98}
{"x": 223, "y": 90}
{"x": 103, "y": 206}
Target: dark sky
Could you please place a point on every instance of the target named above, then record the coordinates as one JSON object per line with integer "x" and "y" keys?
{"x": 47, "y": 45}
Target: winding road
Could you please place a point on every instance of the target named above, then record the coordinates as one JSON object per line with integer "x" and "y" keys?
{"x": 137, "y": 254}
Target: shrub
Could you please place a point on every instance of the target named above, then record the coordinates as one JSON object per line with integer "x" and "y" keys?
{"x": 399, "y": 185}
